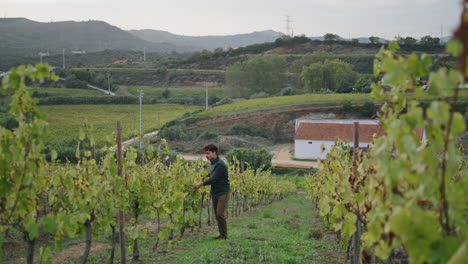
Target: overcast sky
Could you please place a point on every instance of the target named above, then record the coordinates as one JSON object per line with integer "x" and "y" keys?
{"x": 347, "y": 18}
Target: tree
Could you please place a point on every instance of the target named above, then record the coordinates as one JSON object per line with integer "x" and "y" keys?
{"x": 166, "y": 93}
{"x": 331, "y": 37}
{"x": 310, "y": 58}
{"x": 262, "y": 73}
{"x": 362, "y": 85}
{"x": 429, "y": 41}
{"x": 408, "y": 41}
{"x": 334, "y": 75}
{"x": 374, "y": 40}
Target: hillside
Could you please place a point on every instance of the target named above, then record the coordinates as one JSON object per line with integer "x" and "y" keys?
{"x": 21, "y": 36}
{"x": 208, "y": 42}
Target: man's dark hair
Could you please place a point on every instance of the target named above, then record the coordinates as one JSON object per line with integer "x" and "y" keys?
{"x": 211, "y": 147}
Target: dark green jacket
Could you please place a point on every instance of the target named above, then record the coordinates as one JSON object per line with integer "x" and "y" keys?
{"x": 219, "y": 179}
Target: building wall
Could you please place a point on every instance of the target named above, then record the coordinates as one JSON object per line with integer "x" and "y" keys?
{"x": 311, "y": 149}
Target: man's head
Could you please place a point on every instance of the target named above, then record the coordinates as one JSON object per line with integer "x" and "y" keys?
{"x": 211, "y": 151}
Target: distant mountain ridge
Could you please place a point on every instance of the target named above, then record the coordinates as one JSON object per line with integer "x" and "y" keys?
{"x": 24, "y": 37}
{"x": 208, "y": 42}
{"x": 21, "y": 36}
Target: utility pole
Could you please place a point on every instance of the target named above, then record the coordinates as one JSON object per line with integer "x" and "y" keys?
{"x": 159, "y": 122}
{"x": 441, "y": 31}
{"x": 63, "y": 58}
{"x": 144, "y": 53}
{"x": 140, "y": 96}
{"x": 206, "y": 92}
{"x": 108, "y": 82}
{"x": 40, "y": 56}
{"x": 288, "y": 26}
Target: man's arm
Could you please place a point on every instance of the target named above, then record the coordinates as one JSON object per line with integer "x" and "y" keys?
{"x": 217, "y": 172}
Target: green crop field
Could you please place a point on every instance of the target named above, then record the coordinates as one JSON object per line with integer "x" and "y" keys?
{"x": 147, "y": 69}
{"x": 178, "y": 91}
{"x": 66, "y": 91}
{"x": 65, "y": 121}
{"x": 303, "y": 99}
{"x": 286, "y": 100}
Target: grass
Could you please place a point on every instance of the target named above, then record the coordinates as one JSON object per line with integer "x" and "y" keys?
{"x": 65, "y": 121}
{"x": 304, "y": 99}
{"x": 276, "y": 233}
{"x": 178, "y": 91}
{"x": 67, "y": 91}
{"x": 285, "y": 101}
{"x": 287, "y": 231}
{"x": 296, "y": 159}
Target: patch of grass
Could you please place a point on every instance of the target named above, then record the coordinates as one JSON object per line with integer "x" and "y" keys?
{"x": 256, "y": 239}
{"x": 65, "y": 121}
{"x": 267, "y": 214}
{"x": 314, "y": 233}
{"x": 303, "y": 99}
{"x": 303, "y": 159}
{"x": 66, "y": 91}
{"x": 252, "y": 226}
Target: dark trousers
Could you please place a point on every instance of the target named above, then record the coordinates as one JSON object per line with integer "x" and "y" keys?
{"x": 220, "y": 206}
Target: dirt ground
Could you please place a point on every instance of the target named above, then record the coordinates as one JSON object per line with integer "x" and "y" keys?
{"x": 282, "y": 158}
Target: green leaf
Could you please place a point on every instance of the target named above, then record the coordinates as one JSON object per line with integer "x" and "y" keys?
{"x": 53, "y": 155}
{"x": 164, "y": 234}
{"x": 349, "y": 225}
{"x": 444, "y": 249}
{"x": 454, "y": 47}
{"x": 33, "y": 230}
{"x": 458, "y": 124}
{"x": 461, "y": 255}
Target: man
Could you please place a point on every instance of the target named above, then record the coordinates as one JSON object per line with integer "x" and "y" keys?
{"x": 220, "y": 188}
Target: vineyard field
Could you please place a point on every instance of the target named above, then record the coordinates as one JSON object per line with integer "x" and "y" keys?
{"x": 65, "y": 120}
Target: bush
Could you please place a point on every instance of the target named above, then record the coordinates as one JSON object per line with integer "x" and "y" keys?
{"x": 287, "y": 91}
{"x": 256, "y": 159}
{"x": 225, "y": 100}
{"x": 166, "y": 93}
{"x": 73, "y": 82}
{"x": 175, "y": 132}
{"x": 367, "y": 110}
{"x": 293, "y": 171}
{"x": 362, "y": 85}
{"x": 259, "y": 95}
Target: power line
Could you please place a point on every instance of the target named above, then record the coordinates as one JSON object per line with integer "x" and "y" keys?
{"x": 140, "y": 96}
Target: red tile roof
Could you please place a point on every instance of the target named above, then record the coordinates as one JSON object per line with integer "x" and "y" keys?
{"x": 328, "y": 131}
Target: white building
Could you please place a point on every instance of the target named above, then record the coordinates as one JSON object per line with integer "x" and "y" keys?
{"x": 310, "y": 135}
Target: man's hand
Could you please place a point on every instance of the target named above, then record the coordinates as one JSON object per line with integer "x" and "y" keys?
{"x": 198, "y": 185}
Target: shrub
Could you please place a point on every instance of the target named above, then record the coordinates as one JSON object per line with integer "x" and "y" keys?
{"x": 175, "y": 132}
{"x": 286, "y": 91}
{"x": 259, "y": 95}
{"x": 256, "y": 159}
